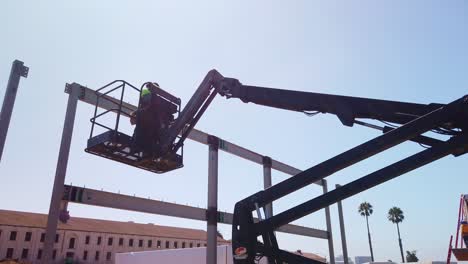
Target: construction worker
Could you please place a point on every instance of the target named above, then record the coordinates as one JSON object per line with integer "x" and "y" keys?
{"x": 147, "y": 121}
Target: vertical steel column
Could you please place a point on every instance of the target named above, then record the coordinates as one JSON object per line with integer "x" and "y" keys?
{"x": 267, "y": 183}
{"x": 342, "y": 230}
{"x": 329, "y": 227}
{"x": 18, "y": 70}
{"x": 212, "y": 212}
{"x": 60, "y": 172}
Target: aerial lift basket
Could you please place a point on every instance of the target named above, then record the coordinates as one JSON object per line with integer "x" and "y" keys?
{"x": 118, "y": 146}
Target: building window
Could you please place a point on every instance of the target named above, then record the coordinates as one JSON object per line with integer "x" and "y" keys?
{"x": 24, "y": 253}
{"x": 13, "y": 235}
{"x": 42, "y": 237}
{"x": 183, "y": 244}
{"x": 110, "y": 241}
{"x": 175, "y": 244}
{"x": 85, "y": 255}
{"x": 57, "y": 236}
{"x": 109, "y": 256}
{"x": 198, "y": 244}
{"x": 70, "y": 255}
{"x": 28, "y": 236}
{"x": 99, "y": 240}
{"x": 39, "y": 254}
{"x": 150, "y": 243}
{"x": 158, "y": 245}
{"x": 71, "y": 243}
{"x": 205, "y": 244}
{"x": 87, "y": 240}
{"x": 96, "y": 257}
{"x": 9, "y": 253}
{"x": 121, "y": 241}
{"x": 130, "y": 242}
{"x": 140, "y": 243}
{"x": 167, "y": 244}
{"x": 54, "y": 254}
{"x": 191, "y": 245}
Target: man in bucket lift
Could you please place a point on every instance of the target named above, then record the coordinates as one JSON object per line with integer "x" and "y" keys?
{"x": 147, "y": 121}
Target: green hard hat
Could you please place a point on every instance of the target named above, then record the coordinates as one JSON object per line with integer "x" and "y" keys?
{"x": 144, "y": 92}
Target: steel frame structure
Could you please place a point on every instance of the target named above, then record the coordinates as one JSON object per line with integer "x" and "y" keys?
{"x": 62, "y": 194}
{"x": 18, "y": 70}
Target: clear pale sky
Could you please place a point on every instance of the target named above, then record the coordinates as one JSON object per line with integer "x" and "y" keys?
{"x": 398, "y": 50}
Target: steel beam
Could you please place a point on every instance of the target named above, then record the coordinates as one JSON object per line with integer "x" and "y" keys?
{"x": 267, "y": 184}
{"x": 131, "y": 203}
{"x": 107, "y": 102}
{"x": 342, "y": 229}
{"x": 212, "y": 223}
{"x": 18, "y": 70}
{"x": 331, "y": 248}
{"x": 57, "y": 191}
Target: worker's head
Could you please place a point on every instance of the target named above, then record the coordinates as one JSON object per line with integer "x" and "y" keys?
{"x": 150, "y": 87}
{"x": 145, "y": 91}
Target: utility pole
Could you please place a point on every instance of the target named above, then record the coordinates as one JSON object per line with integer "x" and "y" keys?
{"x": 18, "y": 70}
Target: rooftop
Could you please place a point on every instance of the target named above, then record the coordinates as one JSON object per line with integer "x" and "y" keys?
{"x": 26, "y": 219}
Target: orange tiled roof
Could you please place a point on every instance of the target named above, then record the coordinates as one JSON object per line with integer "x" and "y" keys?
{"x": 26, "y": 219}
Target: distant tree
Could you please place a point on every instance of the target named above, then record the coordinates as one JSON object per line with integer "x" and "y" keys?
{"x": 395, "y": 215}
{"x": 365, "y": 209}
{"x": 411, "y": 256}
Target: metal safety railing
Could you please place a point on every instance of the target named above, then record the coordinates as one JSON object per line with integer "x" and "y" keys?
{"x": 119, "y": 104}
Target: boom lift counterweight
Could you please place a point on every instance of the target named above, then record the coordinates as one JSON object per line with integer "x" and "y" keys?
{"x": 409, "y": 121}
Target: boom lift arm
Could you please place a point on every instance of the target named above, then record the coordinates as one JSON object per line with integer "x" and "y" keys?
{"x": 346, "y": 108}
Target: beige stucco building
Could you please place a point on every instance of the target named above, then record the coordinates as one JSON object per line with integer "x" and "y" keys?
{"x": 88, "y": 240}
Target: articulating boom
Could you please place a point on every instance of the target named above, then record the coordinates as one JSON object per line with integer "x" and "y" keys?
{"x": 346, "y": 108}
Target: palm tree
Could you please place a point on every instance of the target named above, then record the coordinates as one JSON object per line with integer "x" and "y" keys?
{"x": 395, "y": 215}
{"x": 365, "y": 209}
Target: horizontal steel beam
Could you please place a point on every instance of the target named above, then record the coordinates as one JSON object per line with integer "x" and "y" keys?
{"x": 89, "y": 96}
{"x": 131, "y": 203}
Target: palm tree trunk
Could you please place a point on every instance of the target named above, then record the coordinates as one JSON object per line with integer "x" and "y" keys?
{"x": 401, "y": 244}
{"x": 370, "y": 241}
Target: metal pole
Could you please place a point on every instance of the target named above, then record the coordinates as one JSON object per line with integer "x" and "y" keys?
{"x": 342, "y": 230}
{"x": 329, "y": 227}
{"x": 18, "y": 70}
{"x": 267, "y": 183}
{"x": 57, "y": 191}
{"x": 212, "y": 211}
{"x": 449, "y": 256}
